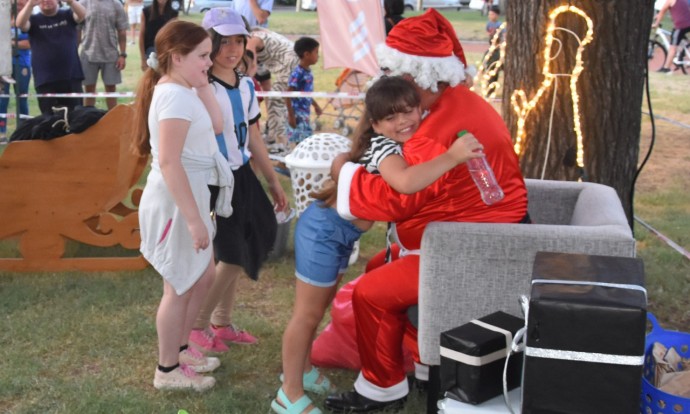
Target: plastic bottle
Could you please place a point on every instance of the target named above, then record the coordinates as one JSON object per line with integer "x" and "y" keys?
{"x": 484, "y": 178}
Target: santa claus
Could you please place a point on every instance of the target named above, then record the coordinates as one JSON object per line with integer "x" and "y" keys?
{"x": 425, "y": 50}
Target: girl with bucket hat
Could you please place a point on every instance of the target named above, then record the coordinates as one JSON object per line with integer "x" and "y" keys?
{"x": 244, "y": 240}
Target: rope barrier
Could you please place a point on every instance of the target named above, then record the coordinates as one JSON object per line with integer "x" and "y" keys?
{"x": 261, "y": 94}
{"x": 297, "y": 94}
{"x": 669, "y": 120}
{"x": 664, "y": 238}
{"x": 14, "y": 116}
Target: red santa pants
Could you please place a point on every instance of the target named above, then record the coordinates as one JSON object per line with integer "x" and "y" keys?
{"x": 380, "y": 301}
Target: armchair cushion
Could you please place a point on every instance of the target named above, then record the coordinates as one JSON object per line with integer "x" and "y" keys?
{"x": 589, "y": 210}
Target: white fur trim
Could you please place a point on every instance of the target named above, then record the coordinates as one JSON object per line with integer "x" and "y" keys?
{"x": 344, "y": 184}
{"x": 426, "y": 71}
{"x": 471, "y": 71}
{"x": 376, "y": 393}
{"x": 421, "y": 372}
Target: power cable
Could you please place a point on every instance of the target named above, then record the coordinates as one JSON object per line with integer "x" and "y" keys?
{"x": 649, "y": 151}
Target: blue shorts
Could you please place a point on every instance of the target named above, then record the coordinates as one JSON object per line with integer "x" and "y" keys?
{"x": 302, "y": 129}
{"x": 323, "y": 245}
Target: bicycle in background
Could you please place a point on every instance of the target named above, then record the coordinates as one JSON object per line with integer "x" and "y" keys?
{"x": 657, "y": 51}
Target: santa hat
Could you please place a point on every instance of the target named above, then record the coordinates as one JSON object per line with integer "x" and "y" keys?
{"x": 425, "y": 47}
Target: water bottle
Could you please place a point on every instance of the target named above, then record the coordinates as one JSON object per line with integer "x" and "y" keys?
{"x": 484, "y": 178}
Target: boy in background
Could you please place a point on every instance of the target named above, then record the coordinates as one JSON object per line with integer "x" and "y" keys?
{"x": 301, "y": 79}
{"x": 493, "y": 24}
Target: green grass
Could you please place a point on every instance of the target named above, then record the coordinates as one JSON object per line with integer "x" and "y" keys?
{"x": 667, "y": 272}
{"x": 667, "y": 92}
{"x": 470, "y": 25}
{"x": 76, "y": 342}
{"x": 86, "y": 342}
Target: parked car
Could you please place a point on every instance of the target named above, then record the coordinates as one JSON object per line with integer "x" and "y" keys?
{"x": 176, "y": 4}
{"x": 437, "y": 4}
{"x": 201, "y": 6}
{"x": 309, "y": 5}
{"x": 409, "y": 4}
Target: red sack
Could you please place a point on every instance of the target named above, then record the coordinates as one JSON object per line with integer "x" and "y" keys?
{"x": 336, "y": 346}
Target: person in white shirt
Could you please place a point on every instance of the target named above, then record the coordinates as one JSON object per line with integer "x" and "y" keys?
{"x": 176, "y": 118}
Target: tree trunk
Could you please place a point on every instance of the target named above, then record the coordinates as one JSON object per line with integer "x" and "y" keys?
{"x": 610, "y": 90}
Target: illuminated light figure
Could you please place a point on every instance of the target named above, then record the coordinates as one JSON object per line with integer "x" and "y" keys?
{"x": 487, "y": 71}
{"x": 519, "y": 101}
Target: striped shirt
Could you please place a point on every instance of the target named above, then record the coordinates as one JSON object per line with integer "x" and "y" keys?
{"x": 379, "y": 148}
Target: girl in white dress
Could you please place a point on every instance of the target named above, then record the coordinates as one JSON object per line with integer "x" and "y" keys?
{"x": 176, "y": 116}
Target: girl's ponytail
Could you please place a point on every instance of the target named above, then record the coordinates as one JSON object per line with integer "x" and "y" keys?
{"x": 144, "y": 94}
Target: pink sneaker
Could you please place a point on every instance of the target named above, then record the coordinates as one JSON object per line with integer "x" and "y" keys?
{"x": 205, "y": 340}
{"x": 231, "y": 334}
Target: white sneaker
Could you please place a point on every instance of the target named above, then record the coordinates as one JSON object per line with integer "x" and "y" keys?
{"x": 182, "y": 378}
{"x": 277, "y": 148}
{"x": 193, "y": 358}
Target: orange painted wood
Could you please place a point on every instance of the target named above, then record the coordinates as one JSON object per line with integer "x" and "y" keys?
{"x": 71, "y": 187}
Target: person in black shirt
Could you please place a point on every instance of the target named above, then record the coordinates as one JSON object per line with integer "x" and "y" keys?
{"x": 153, "y": 18}
{"x": 394, "y": 10}
{"x": 54, "y": 61}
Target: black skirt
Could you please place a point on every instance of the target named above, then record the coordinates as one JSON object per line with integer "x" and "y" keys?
{"x": 246, "y": 237}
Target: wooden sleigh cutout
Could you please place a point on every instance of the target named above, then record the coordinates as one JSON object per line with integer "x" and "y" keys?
{"x": 72, "y": 188}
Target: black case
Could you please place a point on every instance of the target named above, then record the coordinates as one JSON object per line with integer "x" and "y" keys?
{"x": 587, "y": 319}
{"x": 472, "y": 383}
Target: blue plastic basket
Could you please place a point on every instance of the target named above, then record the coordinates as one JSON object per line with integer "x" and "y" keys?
{"x": 653, "y": 400}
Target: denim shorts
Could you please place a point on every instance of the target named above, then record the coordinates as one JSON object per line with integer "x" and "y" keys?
{"x": 323, "y": 245}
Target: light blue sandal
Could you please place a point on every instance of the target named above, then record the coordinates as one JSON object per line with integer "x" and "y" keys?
{"x": 309, "y": 382}
{"x": 292, "y": 408}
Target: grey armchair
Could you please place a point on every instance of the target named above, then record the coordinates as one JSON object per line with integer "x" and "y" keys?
{"x": 469, "y": 270}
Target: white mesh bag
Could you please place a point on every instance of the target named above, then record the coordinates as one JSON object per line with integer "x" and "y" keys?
{"x": 310, "y": 164}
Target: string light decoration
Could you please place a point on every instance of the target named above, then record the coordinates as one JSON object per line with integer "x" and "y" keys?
{"x": 487, "y": 71}
{"x": 522, "y": 106}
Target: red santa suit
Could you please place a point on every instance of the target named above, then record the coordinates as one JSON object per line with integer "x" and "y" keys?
{"x": 383, "y": 294}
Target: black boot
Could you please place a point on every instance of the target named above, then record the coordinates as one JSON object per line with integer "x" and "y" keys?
{"x": 355, "y": 403}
